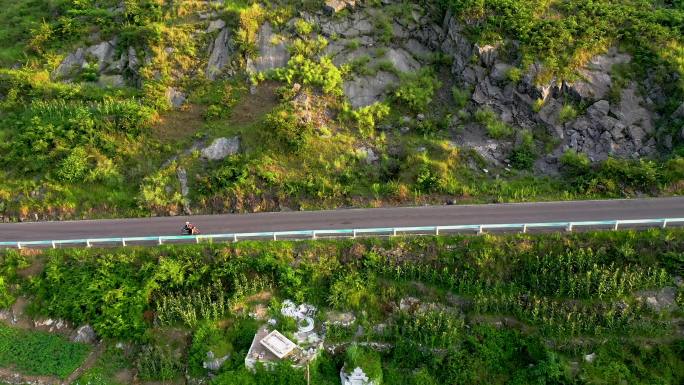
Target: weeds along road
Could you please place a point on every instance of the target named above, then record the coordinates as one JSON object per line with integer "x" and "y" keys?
{"x": 352, "y": 219}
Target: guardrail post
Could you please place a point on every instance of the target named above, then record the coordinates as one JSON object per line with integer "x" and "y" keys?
{"x": 275, "y": 237}
{"x": 313, "y": 234}
{"x": 234, "y": 238}
{"x": 480, "y": 230}
{"x": 436, "y": 230}
{"x": 617, "y": 223}
{"x": 394, "y": 232}
{"x": 19, "y": 245}
{"x": 664, "y": 223}
{"x": 123, "y": 242}
{"x": 88, "y": 243}
{"x": 570, "y": 227}
{"x": 160, "y": 240}
{"x": 196, "y": 239}
{"x": 54, "y": 245}
{"x": 354, "y": 234}
{"x": 525, "y": 228}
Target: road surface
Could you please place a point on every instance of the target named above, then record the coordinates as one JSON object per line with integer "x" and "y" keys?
{"x": 351, "y": 219}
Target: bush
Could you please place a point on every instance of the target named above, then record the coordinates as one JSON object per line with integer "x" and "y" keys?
{"x": 496, "y": 129}
{"x": 567, "y": 113}
{"x": 284, "y": 124}
{"x": 320, "y": 73}
{"x": 367, "y": 117}
{"x": 250, "y": 21}
{"x": 461, "y": 96}
{"x": 574, "y": 164}
{"x": 524, "y": 154}
{"x": 417, "y": 89}
{"x": 302, "y": 27}
{"x": 158, "y": 363}
{"x": 74, "y": 167}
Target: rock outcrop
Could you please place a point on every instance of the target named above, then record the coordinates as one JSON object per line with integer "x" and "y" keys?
{"x": 221, "y": 148}
{"x": 221, "y": 51}
{"x": 273, "y": 51}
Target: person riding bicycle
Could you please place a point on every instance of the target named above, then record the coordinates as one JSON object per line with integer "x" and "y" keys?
{"x": 190, "y": 229}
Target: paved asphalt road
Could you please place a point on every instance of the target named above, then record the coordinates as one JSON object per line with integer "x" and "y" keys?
{"x": 352, "y": 218}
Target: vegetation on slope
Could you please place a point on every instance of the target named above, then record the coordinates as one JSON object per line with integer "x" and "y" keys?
{"x": 82, "y": 149}
{"x": 454, "y": 309}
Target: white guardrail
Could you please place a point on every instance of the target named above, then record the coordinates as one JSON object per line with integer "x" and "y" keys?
{"x": 347, "y": 233}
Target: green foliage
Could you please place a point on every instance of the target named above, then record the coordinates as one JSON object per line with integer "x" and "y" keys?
{"x": 567, "y": 113}
{"x": 249, "y": 21}
{"x": 302, "y": 27}
{"x": 350, "y": 291}
{"x": 461, "y": 96}
{"x": 319, "y": 73}
{"x": 417, "y": 89}
{"x": 496, "y": 129}
{"x": 74, "y": 167}
{"x": 39, "y": 353}
{"x": 525, "y": 153}
{"x": 367, "y": 117}
{"x": 156, "y": 362}
{"x": 287, "y": 128}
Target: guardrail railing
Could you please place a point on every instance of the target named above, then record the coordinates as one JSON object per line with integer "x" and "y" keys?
{"x": 348, "y": 233}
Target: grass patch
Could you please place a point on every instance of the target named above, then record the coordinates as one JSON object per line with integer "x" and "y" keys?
{"x": 40, "y": 353}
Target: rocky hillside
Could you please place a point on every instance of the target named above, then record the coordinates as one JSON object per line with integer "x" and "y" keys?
{"x": 138, "y": 107}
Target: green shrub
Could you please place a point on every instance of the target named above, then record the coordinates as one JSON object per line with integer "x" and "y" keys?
{"x": 525, "y": 153}
{"x": 367, "y": 117}
{"x": 249, "y": 23}
{"x": 514, "y": 74}
{"x": 158, "y": 363}
{"x": 302, "y": 27}
{"x": 283, "y": 122}
{"x": 74, "y": 167}
{"x": 320, "y": 73}
{"x": 6, "y": 298}
{"x": 496, "y": 129}
{"x": 417, "y": 89}
{"x": 567, "y": 113}
{"x": 461, "y": 96}
{"x": 574, "y": 163}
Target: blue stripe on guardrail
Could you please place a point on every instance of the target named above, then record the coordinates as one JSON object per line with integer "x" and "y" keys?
{"x": 663, "y": 222}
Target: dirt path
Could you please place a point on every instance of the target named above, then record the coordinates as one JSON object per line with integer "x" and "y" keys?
{"x": 87, "y": 364}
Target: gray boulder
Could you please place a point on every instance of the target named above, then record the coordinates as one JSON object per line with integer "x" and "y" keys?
{"x": 221, "y": 148}
{"x": 270, "y": 55}
{"x": 213, "y": 363}
{"x": 333, "y": 6}
{"x": 221, "y": 50}
{"x": 630, "y": 110}
{"x": 85, "y": 334}
{"x": 183, "y": 180}
{"x": 366, "y": 90}
{"x": 111, "y": 81}
{"x": 71, "y": 65}
{"x": 103, "y": 52}
{"x": 595, "y": 80}
{"x": 216, "y": 25}
{"x": 679, "y": 112}
{"x": 175, "y": 97}
{"x": 402, "y": 60}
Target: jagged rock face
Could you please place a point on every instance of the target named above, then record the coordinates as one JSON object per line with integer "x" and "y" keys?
{"x": 272, "y": 54}
{"x": 621, "y": 129}
{"x": 221, "y": 50}
{"x": 595, "y": 79}
{"x": 334, "y": 6}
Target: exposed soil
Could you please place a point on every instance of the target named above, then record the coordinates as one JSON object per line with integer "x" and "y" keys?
{"x": 253, "y": 107}
{"x": 179, "y": 124}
